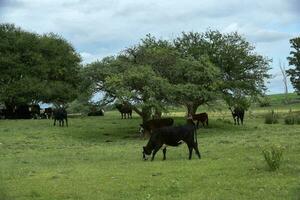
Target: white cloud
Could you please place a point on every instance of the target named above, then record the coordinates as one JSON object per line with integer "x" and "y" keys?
{"x": 102, "y": 28}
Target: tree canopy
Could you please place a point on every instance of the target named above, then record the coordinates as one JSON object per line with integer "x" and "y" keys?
{"x": 294, "y": 60}
{"x": 191, "y": 70}
{"x": 36, "y": 68}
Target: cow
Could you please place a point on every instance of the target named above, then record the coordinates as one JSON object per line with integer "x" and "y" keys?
{"x": 237, "y": 115}
{"x": 172, "y": 136}
{"x": 124, "y": 109}
{"x": 96, "y": 113}
{"x": 201, "y": 117}
{"x": 48, "y": 113}
{"x": 150, "y": 125}
{"x": 60, "y": 114}
{"x": 35, "y": 111}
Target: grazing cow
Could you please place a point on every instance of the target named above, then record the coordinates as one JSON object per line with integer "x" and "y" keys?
{"x": 201, "y": 117}
{"x": 153, "y": 124}
{"x": 60, "y": 114}
{"x": 124, "y": 109}
{"x": 238, "y": 115}
{"x": 172, "y": 136}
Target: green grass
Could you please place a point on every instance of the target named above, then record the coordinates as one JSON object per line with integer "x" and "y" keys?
{"x": 100, "y": 158}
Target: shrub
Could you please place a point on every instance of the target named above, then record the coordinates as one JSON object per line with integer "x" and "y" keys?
{"x": 271, "y": 118}
{"x": 297, "y": 119}
{"x": 273, "y": 156}
{"x": 290, "y": 120}
{"x": 264, "y": 102}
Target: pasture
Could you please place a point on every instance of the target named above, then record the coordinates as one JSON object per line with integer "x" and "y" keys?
{"x": 101, "y": 158}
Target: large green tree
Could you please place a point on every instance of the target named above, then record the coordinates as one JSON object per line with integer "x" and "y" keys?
{"x": 243, "y": 72}
{"x": 294, "y": 60}
{"x": 191, "y": 70}
{"x": 36, "y": 68}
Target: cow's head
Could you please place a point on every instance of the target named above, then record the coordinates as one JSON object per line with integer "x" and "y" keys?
{"x": 146, "y": 152}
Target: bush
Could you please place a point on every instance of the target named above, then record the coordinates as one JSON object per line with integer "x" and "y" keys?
{"x": 292, "y": 118}
{"x": 273, "y": 156}
{"x": 271, "y": 118}
{"x": 297, "y": 119}
{"x": 265, "y": 102}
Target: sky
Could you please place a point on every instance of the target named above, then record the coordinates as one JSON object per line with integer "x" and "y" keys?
{"x": 106, "y": 27}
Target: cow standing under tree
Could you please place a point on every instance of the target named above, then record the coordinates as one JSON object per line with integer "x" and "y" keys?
{"x": 124, "y": 109}
{"x": 172, "y": 136}
{"x": 60, "y": 115}
{"x": 153, "y": 124}
{"x": 201, "y": 117}
{"x": 238, "y": 115}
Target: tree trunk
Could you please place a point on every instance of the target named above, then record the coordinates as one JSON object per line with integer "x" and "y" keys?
{"x": 145, "y": 113}
{"x": 157, "y": 114}
{"x": 191, "y": 108}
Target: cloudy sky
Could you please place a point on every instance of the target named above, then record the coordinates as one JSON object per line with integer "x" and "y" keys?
{"x": 101, "y": 28}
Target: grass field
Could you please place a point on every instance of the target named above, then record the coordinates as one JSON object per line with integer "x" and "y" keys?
{"x": 100, "y": 158}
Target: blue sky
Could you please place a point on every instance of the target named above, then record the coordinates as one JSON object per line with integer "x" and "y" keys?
{"x": 102, "y": 28}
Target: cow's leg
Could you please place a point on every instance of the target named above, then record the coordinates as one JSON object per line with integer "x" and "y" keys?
{"x": 156, "y": 149}
{"x": 66, "y": 122}
{"x": 190, "y": 146}
{"x": 164, "y": 152}
{"x": 54, "y": 122}
{"x": 197, "y": 150}
{"x": 242, "y": 120}
{"x": 238, "y": 120}
{"x": 198, "y": 121}
{"x": 234, "y": 120}
{"x": 62, "y": 123}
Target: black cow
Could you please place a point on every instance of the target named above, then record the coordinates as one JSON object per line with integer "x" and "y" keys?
{"x": 172, "y": 136}
{"x": 153, "y": 124}
{"x": 238, "y": 115}
{"x": 201, "y": 117}
{"x": 35, "y": 111}
{"x": 95, "y": 112}
{"x": 124, "y": 109}
{"x": 47, "y": 113}
{"x": 60, "y": 114}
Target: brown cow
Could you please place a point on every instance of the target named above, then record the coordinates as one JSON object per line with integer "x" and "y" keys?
{"x": 201, "y": 117}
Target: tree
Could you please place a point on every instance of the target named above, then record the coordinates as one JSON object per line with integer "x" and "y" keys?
{"x": 294, "y": 60}
{"x": 36, "y": 68}
{"x": 130, "y": 83}
{"x": 243, "y": 72}
{"x": 284, "y": 80}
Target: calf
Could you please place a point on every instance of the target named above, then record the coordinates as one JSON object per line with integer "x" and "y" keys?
{"x": 153, "y": 124}
{"x": 124, "y": 109}
{"x": 238, "y": 115}
{"x": 201, "y": 117}
{"x": 60, "y": 114}
{"x": 172, "y": 136}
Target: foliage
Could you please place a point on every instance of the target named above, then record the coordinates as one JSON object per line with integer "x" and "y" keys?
{"x": 192, "y": 70}
{"x": 264, "y": 101}
{"x": 294, "y": 60}
{"x": 36, "y": 67}
{"x": 243, "y": 72}
{"x": 273, "y": 156}
{"x": 271, "y": 118}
